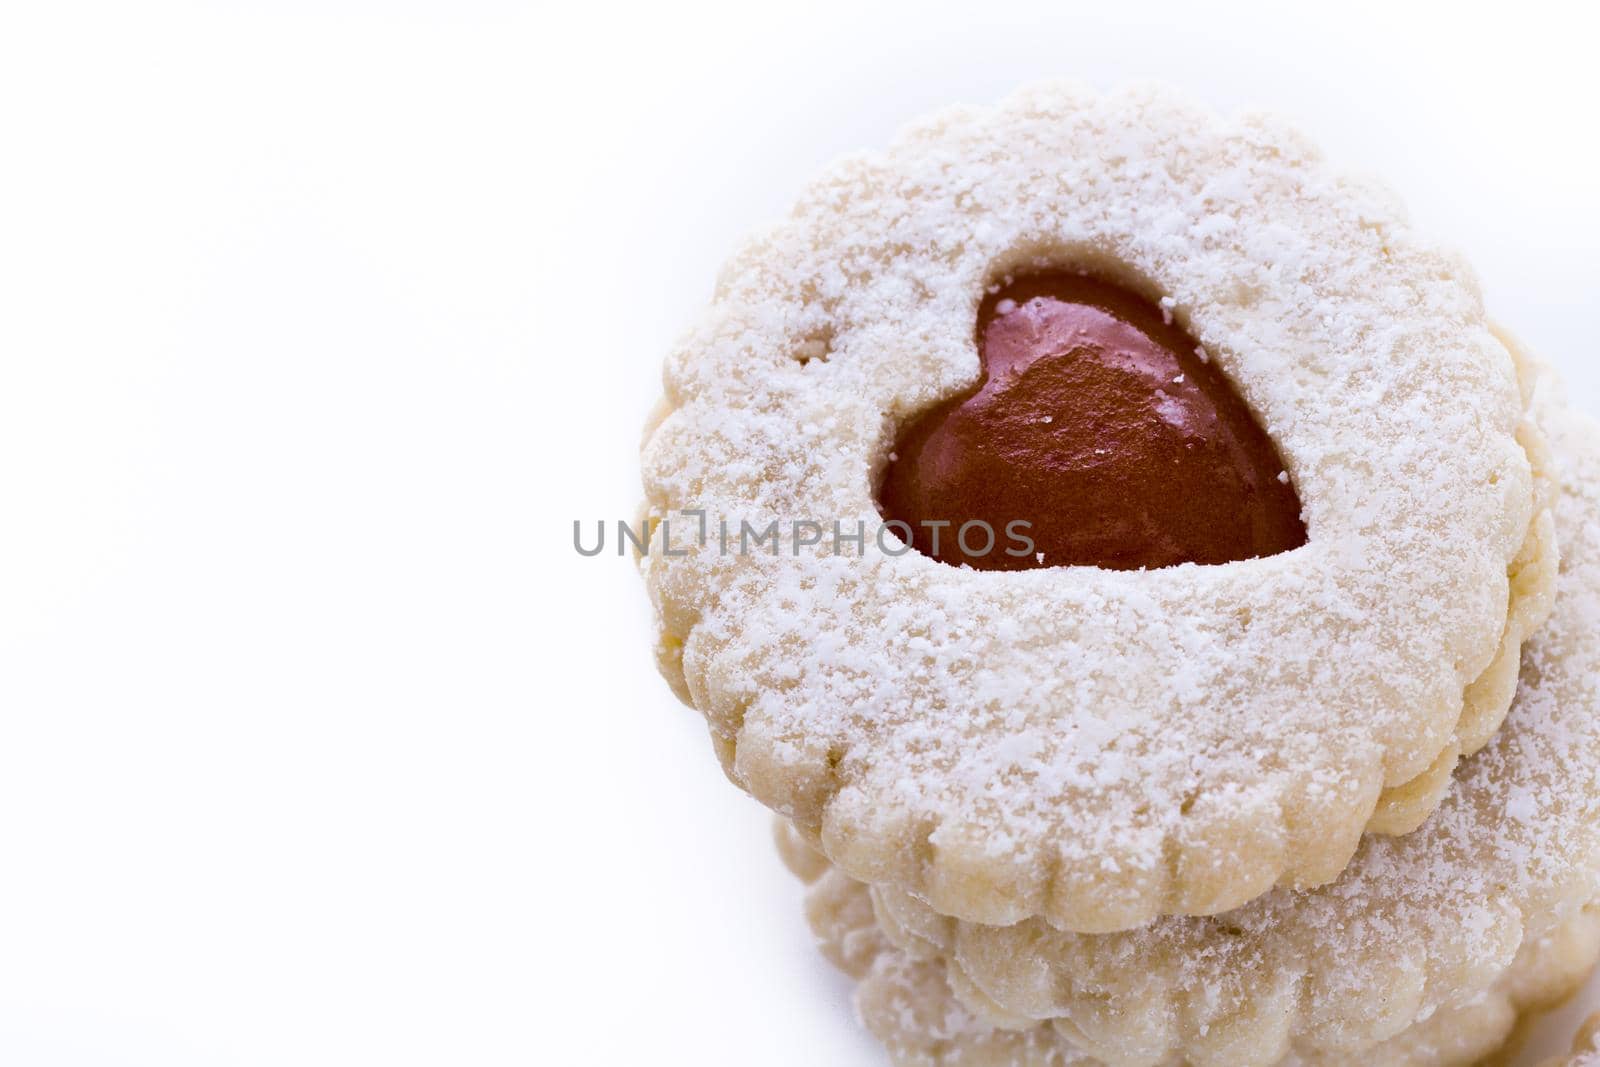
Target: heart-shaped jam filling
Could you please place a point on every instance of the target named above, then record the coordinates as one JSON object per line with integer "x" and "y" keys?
{"x": 1102, "y": 427}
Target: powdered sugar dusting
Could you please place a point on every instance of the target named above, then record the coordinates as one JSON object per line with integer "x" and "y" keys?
{"x": 1416, "y": 924}
{"x": 1096, "y": 747}
{"x": 909, "y": 1002}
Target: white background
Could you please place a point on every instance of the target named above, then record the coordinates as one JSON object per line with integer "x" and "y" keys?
{"x": 319, "y": 325}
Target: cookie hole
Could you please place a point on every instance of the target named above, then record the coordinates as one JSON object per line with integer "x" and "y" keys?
{"x": 816, "y": 347}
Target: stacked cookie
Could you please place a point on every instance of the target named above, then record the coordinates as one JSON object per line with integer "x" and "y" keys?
{"x": 1585, "y": 1047}
{"x": 1261, "y": 749}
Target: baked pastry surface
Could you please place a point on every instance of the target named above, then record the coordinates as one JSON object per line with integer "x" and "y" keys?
{"x": 1585, "y": 1046}
{"x": 908, "y": 1004}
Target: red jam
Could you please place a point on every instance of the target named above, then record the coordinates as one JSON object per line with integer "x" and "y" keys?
{"x": 1101, "y": 426}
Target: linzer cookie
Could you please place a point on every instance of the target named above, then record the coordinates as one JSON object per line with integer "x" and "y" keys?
{"x": 1417, "y": 928}
{"x": 1093, "y": 509}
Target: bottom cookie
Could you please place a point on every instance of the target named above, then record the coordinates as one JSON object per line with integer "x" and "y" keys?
{"x": 909, "y": 1005}
{"x": 1585, "y": 1047}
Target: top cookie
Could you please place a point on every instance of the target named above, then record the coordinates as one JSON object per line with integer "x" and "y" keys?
{"x": 1095, "y": 746}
